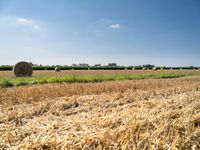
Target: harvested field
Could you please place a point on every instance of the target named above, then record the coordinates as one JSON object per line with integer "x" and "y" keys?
{"x": 136, "y": 114}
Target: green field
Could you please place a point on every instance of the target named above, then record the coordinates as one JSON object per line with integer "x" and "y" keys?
{"x": 10, "y": 82}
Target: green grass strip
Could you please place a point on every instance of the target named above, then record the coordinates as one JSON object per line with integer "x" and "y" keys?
{"x": 88, "y": 78}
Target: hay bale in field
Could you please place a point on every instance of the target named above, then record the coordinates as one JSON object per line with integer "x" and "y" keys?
{"x": 133, "y": 68}
{"x": 23, "y": 69}
{"x": 161, "y": 68}
{"x": 154, "y": 68}
{"x": 144, "y": 68}
{"x": 57, "y": 69}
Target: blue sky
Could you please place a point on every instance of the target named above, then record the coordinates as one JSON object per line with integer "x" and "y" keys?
{"x": 128, "y": 32}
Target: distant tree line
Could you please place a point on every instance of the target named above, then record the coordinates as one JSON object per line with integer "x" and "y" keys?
{"x": 85, "y": 66}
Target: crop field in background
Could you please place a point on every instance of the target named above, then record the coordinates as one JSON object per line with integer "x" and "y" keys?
{"x": 156, "y": 111}
{"x": 7, "y": 78}
{"x": 9, "y": 74}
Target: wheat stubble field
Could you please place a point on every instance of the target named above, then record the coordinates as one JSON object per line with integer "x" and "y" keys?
{"x": 131, "y": 114}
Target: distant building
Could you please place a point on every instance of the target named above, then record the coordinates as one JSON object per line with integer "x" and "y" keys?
{"x": 74, "y": 65}
{"x": 97, "y": 65}
{"x": 83, "y": 65}
{"x": 112, "y": 64}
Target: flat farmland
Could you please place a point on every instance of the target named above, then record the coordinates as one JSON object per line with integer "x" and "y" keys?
{"x": 137, "y": 114}
{"x": 36, "y": 73}
{"x": 7, "y": 78}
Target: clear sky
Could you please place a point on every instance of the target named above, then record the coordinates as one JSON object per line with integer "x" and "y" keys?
{"x": 127, "y": 32}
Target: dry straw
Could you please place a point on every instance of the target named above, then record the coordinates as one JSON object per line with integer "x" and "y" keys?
{"x": 129, "y": 115}
{"x": 23, "y": 69}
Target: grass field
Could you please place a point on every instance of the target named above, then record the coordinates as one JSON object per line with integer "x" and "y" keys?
{"x": 126, "y": 114}
{"x": 7, "y": 79}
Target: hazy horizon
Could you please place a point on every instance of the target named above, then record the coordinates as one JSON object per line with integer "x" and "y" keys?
{"x": 126, "y": 32}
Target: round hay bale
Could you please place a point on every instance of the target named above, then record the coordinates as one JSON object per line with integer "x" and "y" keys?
{"x": 133, "y": 68}
{"x": 144, "y": 68}
{"x": 154, "y": 68}
{"x": 57, "y": 69}
{"x": 23, "y": 69}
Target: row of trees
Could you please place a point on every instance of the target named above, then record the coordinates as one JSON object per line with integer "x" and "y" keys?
{"x": 84, "y": 66}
